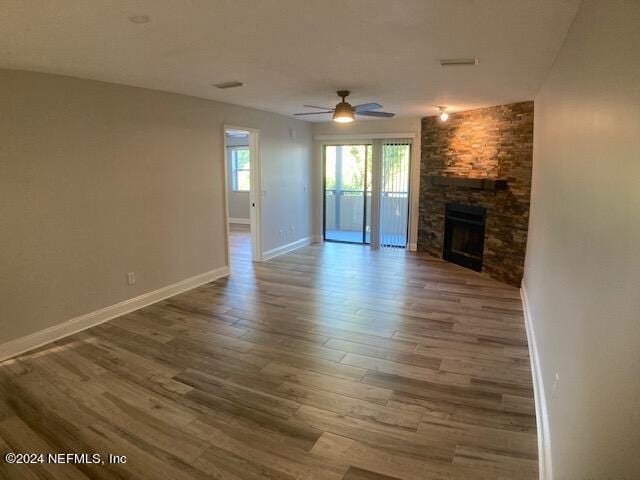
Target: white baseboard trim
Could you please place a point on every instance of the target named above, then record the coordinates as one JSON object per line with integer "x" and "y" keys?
{"x": 289, "y": 247}
{"x": 241, "y": 221}
{"x": 317, "y": 239}
{"x": 542, "y": 418}
{"x": 413, "y": 247}
{"x": 56, "y": 332}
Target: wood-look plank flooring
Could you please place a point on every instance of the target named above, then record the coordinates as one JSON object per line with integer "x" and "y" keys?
{"x": 332, "y": 362}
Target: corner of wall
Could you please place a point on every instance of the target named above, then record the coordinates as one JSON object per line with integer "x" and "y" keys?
{"x": 542, "y": 419}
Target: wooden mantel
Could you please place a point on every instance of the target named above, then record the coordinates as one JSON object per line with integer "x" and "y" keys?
{"x": 468, "y": 182}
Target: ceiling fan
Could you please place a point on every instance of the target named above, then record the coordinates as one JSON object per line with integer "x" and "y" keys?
{"x": 344, "y": 112}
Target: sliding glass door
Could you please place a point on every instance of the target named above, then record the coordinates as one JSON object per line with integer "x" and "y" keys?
{"x": 347, "y": 193}
{"x": 366, "y": 192}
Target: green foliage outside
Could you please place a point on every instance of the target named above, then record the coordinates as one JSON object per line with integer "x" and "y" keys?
{"x": 394, "y": 169}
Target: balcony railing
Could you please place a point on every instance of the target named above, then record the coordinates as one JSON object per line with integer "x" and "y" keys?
{"x": 357, "y": 193}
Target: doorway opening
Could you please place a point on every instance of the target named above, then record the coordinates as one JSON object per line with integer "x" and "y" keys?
{"x": 366, "y": 192}
{"x": 242, "y": 187}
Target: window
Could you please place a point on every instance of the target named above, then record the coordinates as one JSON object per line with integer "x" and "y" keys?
{"x": 240, "y": 168}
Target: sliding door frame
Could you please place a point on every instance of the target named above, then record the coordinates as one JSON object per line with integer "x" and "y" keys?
{"x": 369, "y": 139}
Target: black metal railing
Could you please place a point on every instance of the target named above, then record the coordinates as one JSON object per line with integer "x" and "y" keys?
{"x": 355, "y": 193}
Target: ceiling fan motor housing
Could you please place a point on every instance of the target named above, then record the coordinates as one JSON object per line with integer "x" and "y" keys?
{"x": 343, "y": 108}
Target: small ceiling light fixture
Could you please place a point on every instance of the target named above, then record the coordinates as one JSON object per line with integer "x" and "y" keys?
{"x": 233, "y": 84}
{"x": 139, "y": 19}
{"x": 458, "y": 62}
{"x": 344, "y": 111}
{"x": 444, "y": 116}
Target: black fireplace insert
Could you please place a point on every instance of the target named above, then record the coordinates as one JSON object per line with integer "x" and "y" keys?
{"x": 464, "y": 235}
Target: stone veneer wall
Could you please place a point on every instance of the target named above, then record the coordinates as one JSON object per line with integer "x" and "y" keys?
{"x": 494, "y": 142}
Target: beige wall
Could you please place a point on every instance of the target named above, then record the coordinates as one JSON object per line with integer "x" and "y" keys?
{"x": 364, "y": 127}
{"x": 97, "y": 180}
{"x": 582, "y": 273}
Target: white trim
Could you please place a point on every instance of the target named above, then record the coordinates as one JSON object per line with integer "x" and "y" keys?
{"x": 225, "y": 157}
{"x": 377, "y": 150}
{"x": 56, "y": 332}
{"x": 289, "y": 247}
{"x": 241, "y": 221}
{"x": 366, "y": 136}
{"x": 413, "y": 247}
{"x": 317, "y": 239}
{"x": 542, "y": 418}
{"x": 414, "y": 196}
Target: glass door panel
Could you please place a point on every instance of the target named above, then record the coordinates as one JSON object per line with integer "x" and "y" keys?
{"x": 347, "y": 193}
{"x": 394, "y": 195}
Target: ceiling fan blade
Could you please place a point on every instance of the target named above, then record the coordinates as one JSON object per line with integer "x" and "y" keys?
{"x": 320, "y": 108}
{"x": 313, "y": 113}
{"x": 376, "y": 114}
{"x": 365, "y": 107}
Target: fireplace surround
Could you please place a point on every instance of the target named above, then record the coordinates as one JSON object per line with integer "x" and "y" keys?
{"x": 480, "y": 158}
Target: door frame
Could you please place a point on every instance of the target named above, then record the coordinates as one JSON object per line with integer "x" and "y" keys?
{"x": 255, "y": 193}
{"x": 414, "y": 175}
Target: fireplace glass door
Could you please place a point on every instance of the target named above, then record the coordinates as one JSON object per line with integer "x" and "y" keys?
{"x": 464, "y": 235}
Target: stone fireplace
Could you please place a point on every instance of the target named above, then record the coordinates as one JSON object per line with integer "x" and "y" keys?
{"x": 476, "y": 167}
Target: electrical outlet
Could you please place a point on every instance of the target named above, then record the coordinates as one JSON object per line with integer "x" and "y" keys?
{"x": 556, "y": 380}
{"x": 131, "y": 278}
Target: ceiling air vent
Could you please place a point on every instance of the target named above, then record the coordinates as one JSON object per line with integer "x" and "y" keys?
{"x": 233, "y": 84}
{"x": 458, "y": 62}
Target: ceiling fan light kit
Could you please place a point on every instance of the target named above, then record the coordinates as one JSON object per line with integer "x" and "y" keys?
{"x": 344, "y": 112}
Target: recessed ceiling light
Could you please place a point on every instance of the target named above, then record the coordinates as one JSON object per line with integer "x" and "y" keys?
{"x": 232, "y": 84}
{"x": 458, "y": 62}
{"x": 139, "y": 19}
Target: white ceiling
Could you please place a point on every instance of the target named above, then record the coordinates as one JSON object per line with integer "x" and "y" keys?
{"x": 292, "y": 52}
